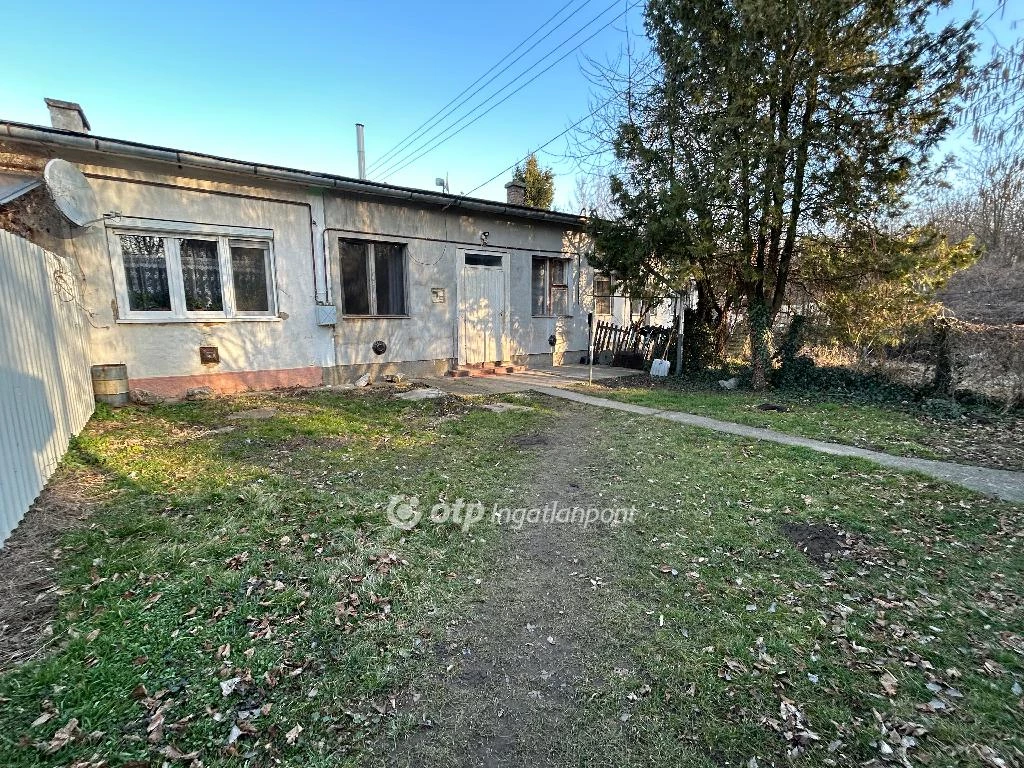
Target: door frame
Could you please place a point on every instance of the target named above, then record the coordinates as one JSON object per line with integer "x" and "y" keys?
{"x": 460, "y": 313}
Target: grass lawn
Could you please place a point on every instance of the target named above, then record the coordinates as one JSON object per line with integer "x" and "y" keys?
{"x": 982, "y": 437}
{"x": 239, "y": 585}
{"x": 901, "y": 639}
{"x": 238, "y": 597}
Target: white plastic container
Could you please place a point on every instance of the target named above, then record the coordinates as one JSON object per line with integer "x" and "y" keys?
{"x": 659, "y": 368}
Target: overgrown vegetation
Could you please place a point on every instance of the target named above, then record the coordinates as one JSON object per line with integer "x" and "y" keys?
{"x": 540, "y": 183}
{"x": 779, "y": 143}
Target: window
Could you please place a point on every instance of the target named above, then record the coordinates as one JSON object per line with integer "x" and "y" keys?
{"x": 192, "y": 276}
{"x": 483, "y": 259}
{"x": 550, "y": 290}
{"x": 372, "y": 277}
{"x": 602, "y": 294}
{"x": 145, "y": 271}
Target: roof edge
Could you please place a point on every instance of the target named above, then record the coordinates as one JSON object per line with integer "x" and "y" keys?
{"x": 36, "y": 134}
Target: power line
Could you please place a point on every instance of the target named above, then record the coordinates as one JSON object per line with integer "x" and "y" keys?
{"x": 429, "y": 122}
{"x": 547, "y": 143}
{"x": 402, "y": 160}
{"x": 441, "y": 138}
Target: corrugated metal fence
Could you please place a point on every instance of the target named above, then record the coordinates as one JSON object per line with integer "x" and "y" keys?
{"x": 45, "y": 389}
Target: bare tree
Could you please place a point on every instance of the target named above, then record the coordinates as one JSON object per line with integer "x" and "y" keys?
{"x": 987, "y": 204}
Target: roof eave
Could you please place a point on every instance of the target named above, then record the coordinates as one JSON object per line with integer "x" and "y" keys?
{"x": 118, "y": 147}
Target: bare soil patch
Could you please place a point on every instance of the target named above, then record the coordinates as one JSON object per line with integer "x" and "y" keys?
{"x": 823, "y": 544}
{"x": 529, "y": 440}
{"x": 29, "y": 563}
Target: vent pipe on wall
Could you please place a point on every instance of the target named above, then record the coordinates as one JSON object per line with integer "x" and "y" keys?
{"x": 361, "y": 150}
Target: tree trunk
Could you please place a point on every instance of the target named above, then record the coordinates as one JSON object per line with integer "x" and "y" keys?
{"x": 759, "y": 318}
{"x": 943, "y": 382}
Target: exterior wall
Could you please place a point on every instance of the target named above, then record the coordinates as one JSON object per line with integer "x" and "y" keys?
{"x": 292, "y": 349}
{"x": 436, "y": 245}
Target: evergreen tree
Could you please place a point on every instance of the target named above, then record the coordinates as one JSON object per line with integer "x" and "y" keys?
{"x": 775, "y": 122}
{"x": 540, "y": 183}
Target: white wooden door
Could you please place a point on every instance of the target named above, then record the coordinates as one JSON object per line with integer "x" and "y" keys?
{"x": 483, "y": 313}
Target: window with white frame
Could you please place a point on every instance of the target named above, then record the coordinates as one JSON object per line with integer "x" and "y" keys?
{"x": 197, "y": 275}
{"x": 372, "y": 278}
{"x": 602, "y": 294}
{"x": 550, "y": 289}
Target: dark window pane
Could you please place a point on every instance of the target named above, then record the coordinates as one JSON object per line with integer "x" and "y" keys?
{"x": 249, "y": 275}
{"x": 200, "y": 271}
{"x": 483, "y": 259}
{"x": 559, "y": 300}
{"x": 145, "y": 271}
{"x": 389, "y": 266}
{"x": 559, "y": 290}
{"x": 557, "y": 272}
{"x": 355, "y": 291}
{"x": 602, "y": 295}
{"x": 539, "y": 286}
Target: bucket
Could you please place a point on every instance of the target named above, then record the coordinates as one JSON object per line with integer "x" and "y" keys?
{"x": 110, "y": 384}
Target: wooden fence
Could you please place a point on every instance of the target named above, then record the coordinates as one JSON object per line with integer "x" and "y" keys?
{"x": 632, "y": 346}
{"x": 45, "y": 388}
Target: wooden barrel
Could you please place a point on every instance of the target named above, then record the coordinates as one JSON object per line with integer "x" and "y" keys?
{"x": 110, "y": 384}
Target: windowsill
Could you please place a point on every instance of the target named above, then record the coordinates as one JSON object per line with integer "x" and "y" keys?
{"x": 180, "y": 320}
{"x": 551, "y": 317}
{"x": 375, "y": 317}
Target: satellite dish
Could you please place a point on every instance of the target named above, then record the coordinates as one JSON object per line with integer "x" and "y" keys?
{"x": 71, "y": 192}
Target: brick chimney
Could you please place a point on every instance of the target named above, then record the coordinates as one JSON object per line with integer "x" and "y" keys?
{"x": 515, "y": 192}
{"x": 67, "y": 116}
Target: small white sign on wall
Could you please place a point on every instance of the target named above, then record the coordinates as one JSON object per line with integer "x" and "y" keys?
{"x": 437, "y": 295}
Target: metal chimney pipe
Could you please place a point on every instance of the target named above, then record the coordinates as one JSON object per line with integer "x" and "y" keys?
{"x": 361, "y": 150}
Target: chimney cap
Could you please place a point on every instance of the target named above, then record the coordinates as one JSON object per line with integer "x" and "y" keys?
{"x": 516, "y": 183}
{"x": 67, "y": 115}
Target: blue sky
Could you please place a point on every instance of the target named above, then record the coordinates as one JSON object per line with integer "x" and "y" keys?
{"x": 285, "y": 83}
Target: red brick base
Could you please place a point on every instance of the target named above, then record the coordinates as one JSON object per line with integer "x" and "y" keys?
{"x": 235, "y": 381}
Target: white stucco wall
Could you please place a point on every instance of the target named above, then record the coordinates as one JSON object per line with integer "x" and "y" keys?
{"x": 434, "y": 241}
{"x": 303, "y": 220}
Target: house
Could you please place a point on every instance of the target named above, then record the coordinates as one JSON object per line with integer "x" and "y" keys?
{"x": 203, "y": 271}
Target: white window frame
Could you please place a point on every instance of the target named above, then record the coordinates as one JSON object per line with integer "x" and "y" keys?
{"x": 371, "y": 273}
{"x": 171, "y": 232}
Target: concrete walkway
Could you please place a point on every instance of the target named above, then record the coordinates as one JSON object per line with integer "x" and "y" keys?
{"x": 531, "y": 378}
{"x": 1000, "y": 483}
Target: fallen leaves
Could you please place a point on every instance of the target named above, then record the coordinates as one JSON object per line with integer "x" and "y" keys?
{"x": 793, "y": 726}
{"x": 64, "y": 736}
{"x": 174, "y": 754}
{"x": 889, "y": 683}
{"x": 227, "y": 687}
{"x": 293, "y": 735}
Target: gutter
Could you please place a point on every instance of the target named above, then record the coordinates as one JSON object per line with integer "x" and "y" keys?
{"x": 88, "y": 143}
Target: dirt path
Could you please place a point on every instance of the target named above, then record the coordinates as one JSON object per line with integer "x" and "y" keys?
{"x": 512, "y": 675}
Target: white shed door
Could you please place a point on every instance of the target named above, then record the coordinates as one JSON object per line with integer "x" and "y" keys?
{"x": 483, "y": 313}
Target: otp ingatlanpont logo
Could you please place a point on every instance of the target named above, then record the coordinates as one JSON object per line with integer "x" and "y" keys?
{"x": 404, "y": 512}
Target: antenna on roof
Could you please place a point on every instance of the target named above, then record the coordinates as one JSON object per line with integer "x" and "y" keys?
{"x": 71, "y": 192}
